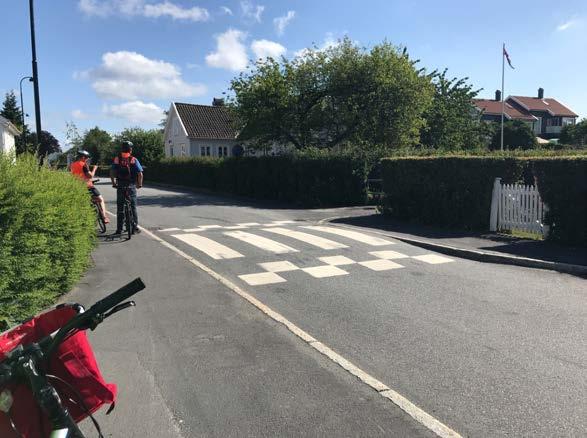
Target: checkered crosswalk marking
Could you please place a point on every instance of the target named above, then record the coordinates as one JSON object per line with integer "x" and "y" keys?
{"x": 353, "y": 235}
{"x": 324, "y": 271}
{"x": 311, "y": 239}
{"x": 337, "y": 260}
{"x": 433, "y": 259}
{"x": 389, "y": 255}
{"x": 262, "y": 278}
{"x": 261, "y": 242}
{"x": 282, "y": 266}
{"x": 380, "y": 265}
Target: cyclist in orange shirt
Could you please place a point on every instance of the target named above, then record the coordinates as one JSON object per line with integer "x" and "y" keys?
{"x": 81, "y": 169}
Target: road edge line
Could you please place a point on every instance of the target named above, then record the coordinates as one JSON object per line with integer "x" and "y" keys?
{"x": 383, "y": 390}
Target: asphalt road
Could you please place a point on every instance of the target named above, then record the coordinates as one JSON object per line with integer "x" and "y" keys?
{"x": 488, "y": 350}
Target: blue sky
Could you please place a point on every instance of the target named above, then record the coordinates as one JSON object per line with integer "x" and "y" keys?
{"x": 118, "y": 63}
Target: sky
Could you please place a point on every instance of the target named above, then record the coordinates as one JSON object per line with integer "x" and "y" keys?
{"x": 120, "y": 63}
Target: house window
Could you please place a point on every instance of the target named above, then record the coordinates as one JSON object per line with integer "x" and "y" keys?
{"x": 205, "y": 151}
{"x": 183, "y": 150}
{"x": 171, "y": 151}
{"x": 568, "y": 121}
{"x": 554, "y": 121}
{"x": 222, "y": 151}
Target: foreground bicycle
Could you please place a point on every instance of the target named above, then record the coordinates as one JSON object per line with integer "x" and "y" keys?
{"x": 129, "y": 221}
{"x": 28, "y": 365}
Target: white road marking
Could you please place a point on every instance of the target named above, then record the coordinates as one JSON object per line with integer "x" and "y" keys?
{"x": 283, "y": 222}
{"x": 262, "y": 278}
{"x": 283, "y": 266}
{"x": 324, "y": 271}
{"x": 235, "y": 227}
{"x": 337, "y": 260}
{"x": 389, "y": 255}
{"x": 208, "y": 246}
{"x": 192, "y": 230}
{"x": 165, "y": 230}
{"x": 353, "y": 235}
{"x": 210, "y": 227}
{"x": 433, "y": 259}
{"x": 380, "y": 265}
{"x": 248, "y": 224}
{"x": 317, "y": 241}
{"x": 403, "y": 403}
{"x": 261, "y": 242}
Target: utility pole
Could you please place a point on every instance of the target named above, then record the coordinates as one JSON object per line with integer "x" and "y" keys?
{"x": 22, "y": 109}
{"x": 35, "y": 74}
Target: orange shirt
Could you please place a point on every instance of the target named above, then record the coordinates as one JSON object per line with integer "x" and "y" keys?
{"x": 80, "y": 169}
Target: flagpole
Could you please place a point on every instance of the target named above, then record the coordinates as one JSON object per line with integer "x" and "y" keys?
{"x": 502, "y": 91}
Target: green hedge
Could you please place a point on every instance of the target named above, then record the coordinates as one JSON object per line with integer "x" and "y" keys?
{"x": 47, "y": 231}
{"x": 456, "y": 191}
{"x": 304, "y": 181}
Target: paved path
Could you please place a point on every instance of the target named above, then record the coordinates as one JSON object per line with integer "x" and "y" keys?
{"x": 487, "y": 350}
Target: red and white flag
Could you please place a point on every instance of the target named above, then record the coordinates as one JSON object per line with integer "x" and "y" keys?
{"x": 507, "y": 56}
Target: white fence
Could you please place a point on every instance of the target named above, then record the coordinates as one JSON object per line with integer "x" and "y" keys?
{"x": 517, "y": 207}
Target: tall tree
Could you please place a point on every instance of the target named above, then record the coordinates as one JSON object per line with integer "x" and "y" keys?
{"x": 97, "y": 142}
{"x": 48, "y": 144}
{"x": 516, "y": 135}
{"x": 326, "y": 98}
{"x": 148, "y": 144}
{"x": 450, "y": 123}
{"x": 11, "y": 110}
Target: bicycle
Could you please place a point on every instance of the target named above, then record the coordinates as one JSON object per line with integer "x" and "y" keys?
{"x": 99, "y": 213}
{"x": 129, "y": 219}
{"x": 26, "y": 364}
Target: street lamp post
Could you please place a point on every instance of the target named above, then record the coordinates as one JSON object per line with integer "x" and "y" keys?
{"x": 35, "y": 73}
{"x": 30, "y": 78}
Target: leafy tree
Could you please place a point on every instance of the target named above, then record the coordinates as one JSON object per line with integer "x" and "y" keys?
{"x": 11, "y": 110}
{"x": 575, "y": 134}
{"x": 450, "y": 123}
{"x": 98, "y": 143}
{"x": 327, "y": 98}
{"x": 516, "y": 135}
{"x": 47, "y": 143}
{"x": 148, "y": 144}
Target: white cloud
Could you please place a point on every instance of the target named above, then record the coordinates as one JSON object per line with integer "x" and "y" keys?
{"x": 135, "y": 111}
{"x": 226, "y": 10}
{"x": 567, "y": 25}
{"x": 252, "y": 11}
{"x": 230, "y": 52}
{"x": 130, "y": 75}
{"x": 329, "y": 42}
{"x": 142, "y": 8}
{"x": 79, "y": 114}
{"x": 281, "y": 23}
{"x": 267, "y": 49}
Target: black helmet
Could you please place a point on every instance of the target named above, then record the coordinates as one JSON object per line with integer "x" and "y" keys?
{"x": 83, "y": 153}
{"x": 126, "y": 146}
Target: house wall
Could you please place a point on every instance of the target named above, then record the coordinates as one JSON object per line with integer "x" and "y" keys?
{"x": 177, "y": 143}
{"x": 7, "y": 142}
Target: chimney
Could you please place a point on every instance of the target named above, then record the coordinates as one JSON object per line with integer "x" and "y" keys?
{"x": 218, "y": 102}
{"x": 498, "y": 95}
{"x": 541, "y": 93}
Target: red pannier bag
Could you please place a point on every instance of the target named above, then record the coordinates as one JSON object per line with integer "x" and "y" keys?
{"x": 73, "y": 361}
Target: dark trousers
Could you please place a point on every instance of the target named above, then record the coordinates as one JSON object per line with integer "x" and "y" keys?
{"x": 120, "y": 206}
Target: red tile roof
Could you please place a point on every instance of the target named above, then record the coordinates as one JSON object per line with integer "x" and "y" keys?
{"x": 493, "y": 107}
{"x": 206, "y": 122}
{"x": 549, "y": 105}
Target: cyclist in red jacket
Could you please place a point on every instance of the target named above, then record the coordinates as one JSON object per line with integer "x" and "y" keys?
{"x": 81, "y": 169}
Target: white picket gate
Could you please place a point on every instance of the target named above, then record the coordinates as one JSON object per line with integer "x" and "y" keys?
{"x": 517, "y": 207}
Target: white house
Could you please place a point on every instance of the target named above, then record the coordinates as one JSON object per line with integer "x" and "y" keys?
{"x": 199, "y": 131}
{"x": 7, "y": 133}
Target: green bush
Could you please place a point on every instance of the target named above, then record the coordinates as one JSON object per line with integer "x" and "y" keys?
{"x": 47, "y": 231}
{"x": 562, "y": 183}
{"x": 322, "y": 180}
{"x": 456, "y": 191}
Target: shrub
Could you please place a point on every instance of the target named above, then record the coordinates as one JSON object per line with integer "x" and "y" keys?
{"x": 456, "y": 191}
{"x": 322, "y": 180}
{"x": 47, "y": 231}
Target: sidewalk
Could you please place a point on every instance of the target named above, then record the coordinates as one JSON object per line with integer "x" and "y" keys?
{"x": 497, "y": 248}
{"x": 192, "y": 359}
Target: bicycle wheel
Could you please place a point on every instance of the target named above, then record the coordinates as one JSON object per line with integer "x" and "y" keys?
{"x": 128, "y": 219}
{"x": 100, "y": 219}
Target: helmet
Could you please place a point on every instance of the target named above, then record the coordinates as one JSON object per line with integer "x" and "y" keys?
{"x": 126, "y": 146}
{"x": 83, "y": 153}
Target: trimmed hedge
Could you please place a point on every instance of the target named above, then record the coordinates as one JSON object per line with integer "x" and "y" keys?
{"x": 304, "y": 181}
{"x": 47, "y": 231}
{"x": 456, "y": 191}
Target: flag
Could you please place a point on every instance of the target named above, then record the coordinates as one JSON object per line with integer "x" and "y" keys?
{"x": 507, "y": 56}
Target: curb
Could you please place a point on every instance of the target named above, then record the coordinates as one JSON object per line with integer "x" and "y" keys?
{"x": 481, "y": 256}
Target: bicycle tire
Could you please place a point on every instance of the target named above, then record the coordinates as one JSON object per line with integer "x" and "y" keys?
{"x": 128, "y": 219}
{"x": 100, "y": 219}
